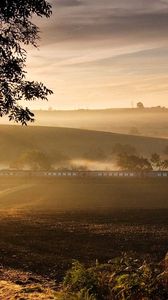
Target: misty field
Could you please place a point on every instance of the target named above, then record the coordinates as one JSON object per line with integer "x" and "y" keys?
{"x": 68, "y": 194}
{"x": 98, "y": 216}
{"x": 46, "y": 223}
{"x": 145, "y": 122}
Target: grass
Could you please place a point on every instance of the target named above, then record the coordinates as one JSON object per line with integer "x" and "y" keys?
{"x": 124, "y": 277}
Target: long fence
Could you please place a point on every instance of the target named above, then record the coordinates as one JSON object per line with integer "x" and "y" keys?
{"x": 68, "y": 173}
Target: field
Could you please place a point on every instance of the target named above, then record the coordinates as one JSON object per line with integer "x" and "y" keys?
{"x": 69, "y": 194}
{"x": 38, "y": 248}
{"x": 46, "y": 223}
{"x": 46, "y": 243}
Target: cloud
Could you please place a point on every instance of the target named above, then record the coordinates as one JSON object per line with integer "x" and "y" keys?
{"x": 110, "y": 19}
{"x": 118, "y": 46}
{"x": 68, "y": 3}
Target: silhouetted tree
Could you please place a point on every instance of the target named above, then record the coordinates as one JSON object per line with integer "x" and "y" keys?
{"x": 33, "y": 159}
{"x": 156, "y": 161}
{"x": 165, "y": 164}
{"x": 140, "y": 105}
{"x": 133, "y": 163}
{"x": 17, "y": 30}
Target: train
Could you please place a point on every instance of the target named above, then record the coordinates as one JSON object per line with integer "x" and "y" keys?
{"x": 78, "y": 173}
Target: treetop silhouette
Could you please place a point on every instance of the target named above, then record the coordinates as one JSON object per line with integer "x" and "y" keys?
{"x": 17, "y": 31}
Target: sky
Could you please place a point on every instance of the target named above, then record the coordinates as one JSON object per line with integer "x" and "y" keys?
{"x": 103, "y": 53}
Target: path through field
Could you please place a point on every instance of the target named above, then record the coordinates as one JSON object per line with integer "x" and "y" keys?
{"x": 7, "y": 193}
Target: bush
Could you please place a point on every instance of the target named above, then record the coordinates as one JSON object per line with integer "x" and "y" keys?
{"x": 123, "y": 278}
{"x": 79, "y": 278}
{"x": 84, "y": 294}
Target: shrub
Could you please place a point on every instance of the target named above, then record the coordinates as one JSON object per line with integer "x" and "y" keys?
{"x": 79, "y": 278}
{"x": 84, "y": 294}
{"x": 123, "y": 278}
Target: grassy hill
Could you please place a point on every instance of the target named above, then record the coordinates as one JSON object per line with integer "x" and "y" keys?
{"x": 146, "y": 122}
{"x": 73, "y": 143}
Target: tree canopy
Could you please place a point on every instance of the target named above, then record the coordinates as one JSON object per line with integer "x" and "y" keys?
{"x": 140, "y": 105}
{"x": 33, "y": 159}
{"x": 16, "y": 31}
{"x": 134, "y": 163}
{"x": 140, "y": 163}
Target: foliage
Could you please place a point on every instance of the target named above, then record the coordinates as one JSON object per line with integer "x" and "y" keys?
{"x": 133, "y": 279}
{"x": 157, "y": 163}
{"x": 34, "y": 159}
{"x": 140, "y": 163}
{"x": 134, "y": 163}
{"x": 83, "y": 294}
{"x": 79, "y": 278}
{"x": 165, "y": 164}
{"x": 140, "y": 105}
{"x": 122, "y": 278}
{"x": 17, "y": 30}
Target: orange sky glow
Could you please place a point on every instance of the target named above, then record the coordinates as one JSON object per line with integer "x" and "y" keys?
{"x": 100, "y": 54}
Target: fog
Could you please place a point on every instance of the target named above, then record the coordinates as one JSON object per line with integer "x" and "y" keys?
{"x": 145, "y": 122}
{"x": 151, "y": 122}
{"x": 84, "y": 164}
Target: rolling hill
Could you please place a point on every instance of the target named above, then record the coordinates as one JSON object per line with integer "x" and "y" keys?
{"x": 73, "y": 143}
{"x": 144, "y": 122}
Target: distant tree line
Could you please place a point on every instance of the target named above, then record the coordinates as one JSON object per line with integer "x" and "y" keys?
{"x": 38, "y": 160}
{"x": 123, "y": 155}
{"x": 140, "y": 163}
